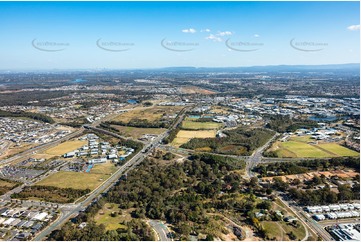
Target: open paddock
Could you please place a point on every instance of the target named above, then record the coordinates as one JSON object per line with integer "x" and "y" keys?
{"x": 184, "y": 136}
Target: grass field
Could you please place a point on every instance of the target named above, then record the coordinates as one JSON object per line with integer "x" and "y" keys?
{"x": 65, "y": 147}
{"x": 80, "y": 180}
{"x": 184, "y": 136}
{"x": 300, "y": 146}
{"x": 151, "y": 114}
{"x": 274, "y": 230}
{"x": 104, "y": 217}
{"x": 338, "y": 149}
{"x": 137, "y": 132}
{"x": 188, "y": 124}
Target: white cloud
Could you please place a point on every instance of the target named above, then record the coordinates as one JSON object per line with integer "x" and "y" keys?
{"x": 354, "y": 27}
{"x": 192, "y": 31}
{"x": 214, "y": 38}
{"x": 224, "y": 33}
{"x": 256, "y": 35}
{"x": 206, "y": 30}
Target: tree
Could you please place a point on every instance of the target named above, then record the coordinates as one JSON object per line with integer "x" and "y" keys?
{"x": 292, "y": 235}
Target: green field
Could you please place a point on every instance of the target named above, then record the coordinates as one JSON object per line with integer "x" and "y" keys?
{"x": 80, "y": 180}
{"x": 304, "y": 150}
{"x": 304, "y": 147}
{"x": 338, "y": 149}
{"x": 104, "y": 217}
{"x": 188, "y": 124}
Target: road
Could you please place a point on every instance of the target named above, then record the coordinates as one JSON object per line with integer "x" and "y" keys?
{"x": 161, "y": 229}
{"x": 256, "y": 157}
{"x": 308, "y": 221}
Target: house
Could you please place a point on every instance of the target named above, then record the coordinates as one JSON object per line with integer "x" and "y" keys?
{"x": 82, "y": 225}
{"x": 112, "y": 156}
{"x": 290, "y": 219}
{"x": 23, "y": 236}
{"x": 319, "y": 217}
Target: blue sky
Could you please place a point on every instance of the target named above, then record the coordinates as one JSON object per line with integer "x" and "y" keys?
{"x": 259, "y": 33}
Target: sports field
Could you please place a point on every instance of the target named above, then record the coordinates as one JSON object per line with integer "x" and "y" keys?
{"x": 65, "y": 147}
{"x": 184, "y": 136}
{"x": 137, "y": 132}
{"x": 188, "y": 124}
{"x": 80, "y": 180}
{"x": 305, "y": 147}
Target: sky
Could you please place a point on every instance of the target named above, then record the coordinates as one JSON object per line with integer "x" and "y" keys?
{"x": 126, "y": 35}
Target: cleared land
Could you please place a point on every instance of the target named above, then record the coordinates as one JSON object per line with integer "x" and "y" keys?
{"x": 193, "y": 89}
{"x": 137, "y": 132}
{"x": 80, "y": 180}
{"x": 305, "y": 147}
{"x": 184, "y": 136}
{"x": 151, "y": 114}
{"x": 65, "y": 147}
{"x": 188, "y": 124}
{"x": 104, "y": 216}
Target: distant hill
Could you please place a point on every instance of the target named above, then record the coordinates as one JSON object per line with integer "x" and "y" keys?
{"x": 353, "y": 67}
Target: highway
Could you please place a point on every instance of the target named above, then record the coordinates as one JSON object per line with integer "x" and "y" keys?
{"x": 256, "y": 157}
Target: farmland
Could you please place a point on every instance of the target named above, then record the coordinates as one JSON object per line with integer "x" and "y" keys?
{"x": 184, "y": 136}
{"x": 135, "y": 132}
{"x": 304, "y": 147}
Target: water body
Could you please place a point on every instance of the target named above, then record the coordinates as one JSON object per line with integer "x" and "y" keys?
{"x": 194, "y": 116}
{"x": 132, "y": 101}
